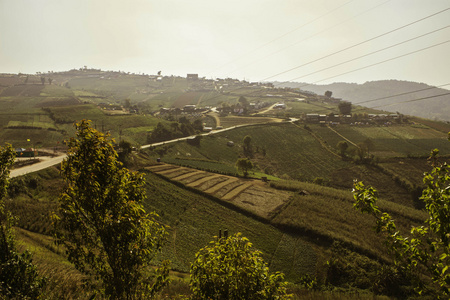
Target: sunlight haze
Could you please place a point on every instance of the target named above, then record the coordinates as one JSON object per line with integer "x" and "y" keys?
{"x": 251, "y": 39}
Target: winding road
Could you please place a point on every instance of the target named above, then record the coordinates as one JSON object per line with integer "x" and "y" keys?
{"x": 58, "y": 159}
{"x": 38, "y": 166}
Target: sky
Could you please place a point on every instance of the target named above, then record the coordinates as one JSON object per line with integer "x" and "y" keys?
{"x": 314, "y": 41}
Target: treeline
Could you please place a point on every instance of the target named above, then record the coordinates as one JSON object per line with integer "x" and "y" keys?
{"x": 175, "y": 130}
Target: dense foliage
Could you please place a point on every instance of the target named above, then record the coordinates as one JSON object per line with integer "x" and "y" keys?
{"x": 425, "y": 254}
{"x": 244, "y": 165}
{"x": 229, "y": 269}
{"x": 101, "y": 220}
{"x": 18, "y": 276}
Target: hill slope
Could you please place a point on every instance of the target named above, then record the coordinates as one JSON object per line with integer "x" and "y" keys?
{"x": 433, "y": 108}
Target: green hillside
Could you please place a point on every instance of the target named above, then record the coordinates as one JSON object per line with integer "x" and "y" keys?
{"x": 298, "y": 170}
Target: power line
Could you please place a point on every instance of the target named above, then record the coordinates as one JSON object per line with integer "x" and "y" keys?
{"x": 357, "y": 44}
{"x": 365, "y": 55}
{"x": 397, "y": 95}
{"x": 412, "y": 100}
{"x": 248, "y": 94}
{"x": 281, "y": 36}
{"x": 358, "y": 69}
{"x": 311, "y": 36}
{"x": 402, "y": 94}
{"x": 378, "y": 63}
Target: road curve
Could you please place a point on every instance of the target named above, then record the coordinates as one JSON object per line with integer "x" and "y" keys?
{"x": 56, "y": 160}
{"x": 37, "y": 167}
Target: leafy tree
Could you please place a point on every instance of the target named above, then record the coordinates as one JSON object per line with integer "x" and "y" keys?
{"x": 125, "y": 152}
{"x": 197, "y": 125}
{"x": 187, "y": 129}
{"x": 244, "y": 165}
{"x": 328, "y": 94}
{"x": 43, "y": 80}
{"x": 230, "y": 269}
{"x": 243, "y": 100}
{"x": 127, "y": 104}
{"x": 159, "y": 134}
{"x": 361, "y": 151}
{"x": 247, "y": 145}
{"x": 244, "y": 103}
{"x": 101, "y": 220}
{"x": 370, "y": 146}
{"x": 18, "y": 276}
{"x": 342, "y": 146}
{"x": 184, "y": 120}
{"x": 426, "y": 252}
{"x": 345, "y": 108}
{"x": 174, "y": 126}
{"x": 50, "y": 80}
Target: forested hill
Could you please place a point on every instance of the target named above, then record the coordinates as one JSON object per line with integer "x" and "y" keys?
{"x": 437, "y": 108}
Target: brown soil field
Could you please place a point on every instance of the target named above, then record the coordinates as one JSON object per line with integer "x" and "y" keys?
{"x": 252, "y": 195}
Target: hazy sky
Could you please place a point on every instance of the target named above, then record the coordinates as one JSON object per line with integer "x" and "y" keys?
{"x": 245, "y": 39}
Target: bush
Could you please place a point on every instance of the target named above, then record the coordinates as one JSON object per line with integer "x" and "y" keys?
{"x": 229, "y": 269}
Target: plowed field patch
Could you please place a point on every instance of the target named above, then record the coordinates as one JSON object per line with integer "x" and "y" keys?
{"x": 248, "y": 194}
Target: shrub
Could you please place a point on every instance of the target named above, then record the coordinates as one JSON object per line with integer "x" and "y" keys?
{"x": 229, "y": 269}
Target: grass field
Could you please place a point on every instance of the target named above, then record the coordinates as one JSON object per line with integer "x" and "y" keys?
{"x": 390, "y": 141}
{"x": 288, "y": 150}
{"x": 193, "y": 219}
{"x": 294, "y": 152}
{"x": 294, "y": 233}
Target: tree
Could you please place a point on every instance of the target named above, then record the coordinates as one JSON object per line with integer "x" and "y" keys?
{"x": 345, "y": 108}
{"x": 368, "y": 143}
{"x": 101, "y": 220}
{"x": 230, "y": 269}
{"x": 42, "y": 80}
{"x": 127, "y": 104}
{"x": 426, "y": 252}
{"x": 247, "y": 145}
{"x": 361, "y": 151}
{"x": 125, "y": 150}
{"x": 160, "y": 133}
{"x": 19, "y": 278}
{"x": 342, "y": 146}
{"x": 50, "y": 80}
{"x": 328, "y": 94}
{"x": 243, "y": 100}
{"x": 244, "y": 165}
{"x": 198, "y": 125}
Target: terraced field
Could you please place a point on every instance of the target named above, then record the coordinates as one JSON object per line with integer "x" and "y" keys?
{"x": 251, "y": 195}
{"x": 391, "y": 141}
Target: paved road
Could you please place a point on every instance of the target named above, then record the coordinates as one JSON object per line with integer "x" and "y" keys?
{"x": 193, "y": 136}
{"x": 56, "y": 160}
{"x": 38, "y": 166}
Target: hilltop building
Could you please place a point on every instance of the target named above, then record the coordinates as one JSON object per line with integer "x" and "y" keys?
{"x": 192, "y": 77}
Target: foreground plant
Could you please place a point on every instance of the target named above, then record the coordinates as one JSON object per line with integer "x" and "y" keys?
{"x": 101, "y": 220}
{"x": 18, "y": 276}
{"x": 229, "y": 269}
{"x": 425, "y": 254}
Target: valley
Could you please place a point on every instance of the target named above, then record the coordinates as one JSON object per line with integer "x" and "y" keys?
{"x": 186, "y": 137}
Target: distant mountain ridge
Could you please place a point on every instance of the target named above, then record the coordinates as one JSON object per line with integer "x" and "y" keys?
{"x": 437, "y": 108}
